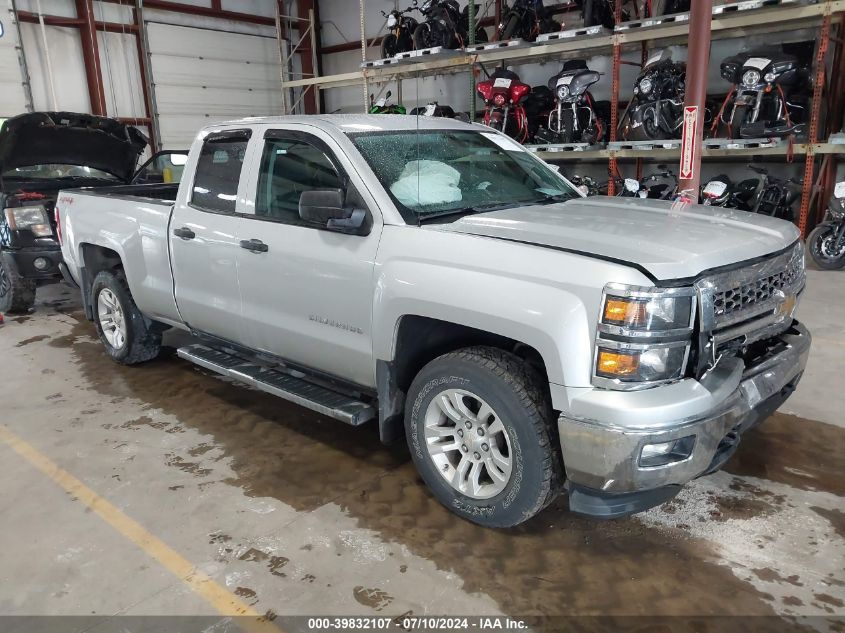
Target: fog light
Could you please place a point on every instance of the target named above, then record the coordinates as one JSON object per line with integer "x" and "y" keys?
{"x": 41, "y": 263}
{"x": 664, "y": 453}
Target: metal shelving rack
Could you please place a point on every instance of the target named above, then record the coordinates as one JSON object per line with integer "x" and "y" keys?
{"x": 789, "y": 15}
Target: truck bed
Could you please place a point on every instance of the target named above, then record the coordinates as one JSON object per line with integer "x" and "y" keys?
{"x": 164, "y": 193}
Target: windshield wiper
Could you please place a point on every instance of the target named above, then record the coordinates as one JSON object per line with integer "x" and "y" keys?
{"x": 551, "y": 198}
{"x": 482, "y": 208}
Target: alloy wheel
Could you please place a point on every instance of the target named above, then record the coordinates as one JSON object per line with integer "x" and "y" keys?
{"x": 468, "y": 444}
{"x": 112, "y": 319}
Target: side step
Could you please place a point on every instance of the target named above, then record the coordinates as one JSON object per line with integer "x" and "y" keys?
{"x": 306, "y": 394}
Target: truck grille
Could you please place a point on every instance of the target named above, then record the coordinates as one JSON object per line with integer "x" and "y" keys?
{"x": 751, "y": 303}
{"x": 758, "y": 291}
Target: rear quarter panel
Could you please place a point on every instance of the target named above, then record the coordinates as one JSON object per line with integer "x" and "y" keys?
{"x": 134, "y": 228}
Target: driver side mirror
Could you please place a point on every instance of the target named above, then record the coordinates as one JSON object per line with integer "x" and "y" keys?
{"x": 326, "y": 207}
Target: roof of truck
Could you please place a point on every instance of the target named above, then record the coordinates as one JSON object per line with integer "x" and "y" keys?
{"x": 351, "y": 123}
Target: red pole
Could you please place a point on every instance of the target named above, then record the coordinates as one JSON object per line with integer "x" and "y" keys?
{"x": 91, "y": 56}
{"x": 698, "y": 60}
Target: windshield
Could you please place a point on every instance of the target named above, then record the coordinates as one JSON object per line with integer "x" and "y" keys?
{"x": 55, "y": 171}
{"x": 436, "y": 173}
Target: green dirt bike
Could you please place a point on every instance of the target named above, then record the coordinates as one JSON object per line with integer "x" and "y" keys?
{"x": 381, "y": 106}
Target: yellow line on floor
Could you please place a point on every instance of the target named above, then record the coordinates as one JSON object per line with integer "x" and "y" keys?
{"x": 226, "y": 603}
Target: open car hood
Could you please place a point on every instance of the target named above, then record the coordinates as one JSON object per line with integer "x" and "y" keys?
{"x": 71, "y": 138}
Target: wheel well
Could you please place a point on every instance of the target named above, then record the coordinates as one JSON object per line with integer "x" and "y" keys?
{"x": 419, "y": 340}
{"x": 95, "y": 259}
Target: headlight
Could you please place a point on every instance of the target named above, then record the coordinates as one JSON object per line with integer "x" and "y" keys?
{"x": 646, "y": 85}
{"x": 29, "y": 218}
{"x": 750, "y": 78}
{"x": 562, "y": 92}
{"x": 769, "y": 77}
{"x": 644, "y": 336}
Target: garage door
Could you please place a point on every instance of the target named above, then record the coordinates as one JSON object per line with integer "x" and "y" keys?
{"x": 12, "y": 95}
{"x": 203, "y": 76}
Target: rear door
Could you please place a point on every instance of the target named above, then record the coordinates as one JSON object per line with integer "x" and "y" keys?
{"x": 204, "y": 241}
{"x": 309, "y": 296}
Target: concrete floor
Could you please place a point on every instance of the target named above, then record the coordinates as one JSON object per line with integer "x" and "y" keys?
{"x": 292, "y": 513}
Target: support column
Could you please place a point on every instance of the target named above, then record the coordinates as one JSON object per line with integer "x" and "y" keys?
{"x": 308, "y": 49}
{"x": 698, "y": 61}
{"x": 91, "y": 56}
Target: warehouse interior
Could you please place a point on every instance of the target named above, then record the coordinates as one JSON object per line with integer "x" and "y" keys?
{"x": 166, "y": 497}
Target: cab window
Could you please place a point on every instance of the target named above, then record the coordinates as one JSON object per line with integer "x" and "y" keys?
{"x": 290, "y": 166}
{"x": 218, "y": 174}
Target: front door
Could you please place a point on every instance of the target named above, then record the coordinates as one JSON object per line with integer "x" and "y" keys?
{"x": 204, "y": 241}
{"x": 309, "y": 296}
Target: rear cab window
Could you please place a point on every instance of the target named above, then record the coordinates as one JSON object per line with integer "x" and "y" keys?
{"x": 218, "y": 172}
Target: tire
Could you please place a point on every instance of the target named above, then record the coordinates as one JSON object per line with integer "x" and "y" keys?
{"x": 735, "y": 125}
{"x": 510, "y": 28}
{"x": 389, "y": 46}
{"x": 427, "y": 35}
{"x": 17, "y": 294}
{"x": 816, "y": 243}
{"x": 141, "y": 336}
{"x": 519, "y": 428}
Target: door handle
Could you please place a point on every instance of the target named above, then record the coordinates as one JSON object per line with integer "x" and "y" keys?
{"x": 185, "y": 233}
{"x": 254, "y": 245}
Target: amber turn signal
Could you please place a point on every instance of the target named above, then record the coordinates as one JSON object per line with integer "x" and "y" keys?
{"x": 624, "y": 312}
{"x": 616, "y": 364}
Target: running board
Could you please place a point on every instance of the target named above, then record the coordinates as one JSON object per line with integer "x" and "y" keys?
{"x": 306, "y": 394}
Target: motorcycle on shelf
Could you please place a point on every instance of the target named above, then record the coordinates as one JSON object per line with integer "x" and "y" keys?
{"x": 656, "y": 110}
{"x": 525, "y": 19}
{"x": 381, "y": 105}
{"x": 434, "y": 109}
{"x": 601, "y": 13}
{"x": 576, "y": 116}
{"x": 826, "y": 242}
{"x": 661, "y": 185}
{"x": 504, "y": 110}
{"x": 761, "y": 102}
{"x": 760, "y": 194}
{"x": 588, "y": 186}
{"x": 446, "y": 25}
{"x": 400, "y": 36}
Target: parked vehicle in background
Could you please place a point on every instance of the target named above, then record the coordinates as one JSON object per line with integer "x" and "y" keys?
{"x": 525, "y": 19}
{"x": 41, "y": 153}
{"x": 761, "y": 193}
{"x": 826, "y": 242}
{"x": 445, "y": 25}
{"x": 656, "y": 109}
{"x": 660, "y": 185}
{"x": 440, "y": 279}
{"x": 601, "y": 12}
{"x": 434, "y": 109}
{"x": 576, "y": 116}
{"x": 762, "y": 102}
{"x": 504, "y": 109}
{"x": 382, "y": 105}
{"x": 400, "y": 32}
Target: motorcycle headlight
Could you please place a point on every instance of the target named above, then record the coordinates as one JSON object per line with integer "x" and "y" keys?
{"x": 750, "y": 78}
{"x": 29, "y": 218}
{"x": 646, "y": 85}
{"x": 769, "y": 77}
{"x": 562, "y": 92}
{"x": 644, "y": 336}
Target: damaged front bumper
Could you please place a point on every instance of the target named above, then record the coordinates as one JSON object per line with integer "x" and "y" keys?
{"x": 625, "y": 452}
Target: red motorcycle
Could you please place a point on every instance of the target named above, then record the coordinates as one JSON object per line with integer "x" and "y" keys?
{"x": 503, "y": 95}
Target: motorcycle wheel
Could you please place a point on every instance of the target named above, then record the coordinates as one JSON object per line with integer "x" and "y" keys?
{"x": 425, "y": 37}
{"x": 480, "y": 36}
{"x": 740, "y": 112}
{"x": 589, "y": 13}
{"x": 820, "y": 244}
{"x": 389, "y": 46}
{"x": 510, "y": 28}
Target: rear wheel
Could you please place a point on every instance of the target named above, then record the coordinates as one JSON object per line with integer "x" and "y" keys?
{"x": 128, "y": 336}
{"x": 389, "y": 46}
{"x": 17, "y": 294}
{"x": 481, "y": 432}
{"x": 823, "y": 249}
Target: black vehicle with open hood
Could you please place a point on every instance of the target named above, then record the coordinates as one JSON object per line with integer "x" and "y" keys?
{"x": 41, "y": 153}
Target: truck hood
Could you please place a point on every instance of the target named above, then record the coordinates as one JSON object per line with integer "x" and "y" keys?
{"x": 667, "y": 241}
{"x": 70, "y": 138}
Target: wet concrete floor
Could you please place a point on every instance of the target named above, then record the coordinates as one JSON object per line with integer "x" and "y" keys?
{"x": 298, "y": 514}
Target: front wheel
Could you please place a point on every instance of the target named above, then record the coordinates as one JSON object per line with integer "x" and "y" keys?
{"x": 481, "y": 432}
{"x": 430, "y": 35}
{"x": 17, "y": 294}
{"x": 389, "y": 46}
{"x": 128, "y": 336}
{"x": 823, "y": 249}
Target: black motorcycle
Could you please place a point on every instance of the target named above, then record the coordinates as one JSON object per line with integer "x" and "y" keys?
{"x": 826, "y": 242}
{"x": 661, "y": 185}
{"x": 761, "y": 194}
{"x": 445, "y": 25}
{"x": 525, "y": 19}
{"x": 575, "y": 117}
{"x": 434, "y": 109}
{"x": 657, "y": 109}
{"x": 400, "y": 36}
{"x": 600, "y": 13}
{"x": 760, "y": 103}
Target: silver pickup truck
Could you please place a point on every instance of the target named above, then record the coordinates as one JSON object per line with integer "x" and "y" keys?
{"x": 437, "y": 278}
